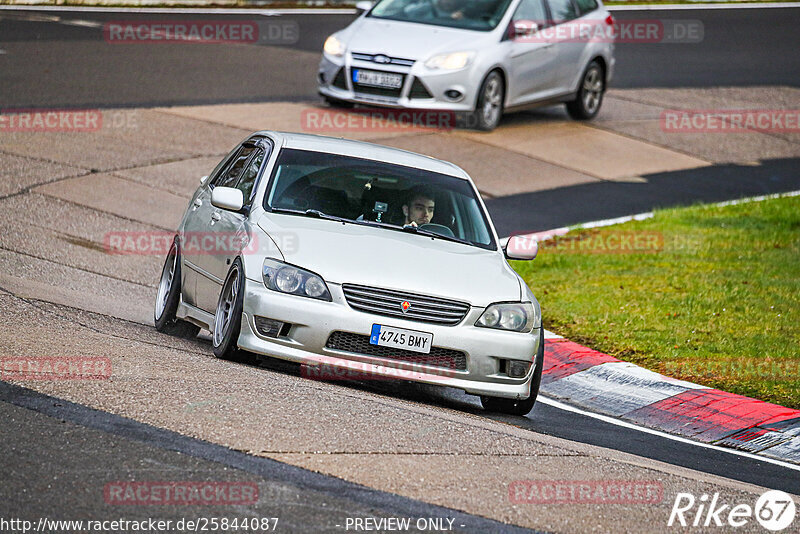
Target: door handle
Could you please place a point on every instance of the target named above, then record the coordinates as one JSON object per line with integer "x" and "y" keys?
{"x": 215, "y": 217}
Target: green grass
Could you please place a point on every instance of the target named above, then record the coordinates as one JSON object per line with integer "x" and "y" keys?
{"x": 718, "y": 304}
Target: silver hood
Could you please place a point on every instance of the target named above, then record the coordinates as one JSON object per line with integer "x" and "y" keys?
{"x": 378, "y": 257}
{"x": 408, "y": 40}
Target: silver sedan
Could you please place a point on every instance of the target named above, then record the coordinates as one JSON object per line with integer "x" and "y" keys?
{"x": 349, "y": 256}
{"x": 483, "y": 57}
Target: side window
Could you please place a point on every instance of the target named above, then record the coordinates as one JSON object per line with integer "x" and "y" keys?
{"x": 248, "y": 179}
{"x": 562, "y": 10}
{"x": 221, "y": 166}
{"x": 585, "y": 6}
{"x": 532, "y": 10}
{"x": 229, "y": 177}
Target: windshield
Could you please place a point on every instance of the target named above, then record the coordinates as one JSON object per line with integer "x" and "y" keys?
{"x": 482, "y": 15}
{"x": 371, "y": 192}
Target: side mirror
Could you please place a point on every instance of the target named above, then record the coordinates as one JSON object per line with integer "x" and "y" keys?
{"x": 203, "y": 180}
{"x": 523, "y": 28}
{"x": 521, "y": 247}
{"x": 227, "y": 198}
{"x": 364, "y": 5}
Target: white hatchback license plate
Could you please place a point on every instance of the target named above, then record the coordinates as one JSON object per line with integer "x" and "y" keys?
{"x": 400, "y": 338}
{"x": 377, "y": 79}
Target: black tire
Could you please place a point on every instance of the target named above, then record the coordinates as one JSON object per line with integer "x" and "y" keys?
{"x": 228, "y": 318}
{"x": 590, "y": 94}
{"x": 516, "y": 406}
{"x": 489, "y": 107}
{"x": 168, "y": 298}
{"x": 336, "y": 103}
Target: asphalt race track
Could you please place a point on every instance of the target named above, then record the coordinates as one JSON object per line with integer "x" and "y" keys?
{"x": 84, "y": 70}
{"x": 56, "y": 454}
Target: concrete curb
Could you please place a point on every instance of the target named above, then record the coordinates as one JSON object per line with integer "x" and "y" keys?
{"x": 601, "y": 383}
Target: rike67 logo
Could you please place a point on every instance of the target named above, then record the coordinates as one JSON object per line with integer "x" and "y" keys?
{"x": 774, "y": 510}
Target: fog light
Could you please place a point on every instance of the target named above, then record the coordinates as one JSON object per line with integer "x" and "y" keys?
{"x": 268, "y": 327}
{"x": 518, "y": 369}
{"x": 452, "y": 94}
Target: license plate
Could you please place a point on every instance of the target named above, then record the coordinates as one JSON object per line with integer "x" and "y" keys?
{"x": 377, "y": 79}
{"x": 400, "y": 338}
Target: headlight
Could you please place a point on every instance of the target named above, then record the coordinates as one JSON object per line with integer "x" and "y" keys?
{"x": 286, "y": 278}
{"x": 333, "y": 46}
{"x": 517, "y": 317}
{"x": 453, "y": 61}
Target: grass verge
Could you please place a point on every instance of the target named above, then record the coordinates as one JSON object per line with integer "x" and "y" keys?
{"x": 707, "y": 294}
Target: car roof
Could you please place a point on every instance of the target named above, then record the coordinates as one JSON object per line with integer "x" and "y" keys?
{"x": 361, "y": 149}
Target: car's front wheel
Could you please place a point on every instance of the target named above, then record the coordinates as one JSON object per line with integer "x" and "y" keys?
{"x": 590, "y": 94}
{"x": 168, "y": 298}
{"x": 489, "y": 108}
{"x": 228, "y": 318}
{"x": 516, "y": 406}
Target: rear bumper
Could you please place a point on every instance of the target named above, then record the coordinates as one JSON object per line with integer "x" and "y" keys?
{"x": 313, "y": 322}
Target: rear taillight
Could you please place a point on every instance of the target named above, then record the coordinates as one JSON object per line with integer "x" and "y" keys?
{"x": 610, "y": 20}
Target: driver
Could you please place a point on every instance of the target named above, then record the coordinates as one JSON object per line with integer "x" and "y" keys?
{"x": 418, "y": 206}
{"x": 450, "y": 8}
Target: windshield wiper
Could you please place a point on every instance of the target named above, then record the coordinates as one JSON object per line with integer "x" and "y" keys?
{"x": 422, "y": 231}
{"x": 311, "y": 213}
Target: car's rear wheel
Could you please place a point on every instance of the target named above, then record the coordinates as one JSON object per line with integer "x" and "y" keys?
{"x": 228, "y": 317}
{"x": 489, "y": 108}
{"x": 168, "y": 298}
{"x": 590, "y": 94}
{"x": 516, "y": 406}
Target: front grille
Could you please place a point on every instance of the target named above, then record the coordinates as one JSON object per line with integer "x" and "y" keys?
{"x": 389, "y": 302}
{"x": 359, "y": 344}
{"x": 403, "y": 62}
{"x": 418, "y": 90}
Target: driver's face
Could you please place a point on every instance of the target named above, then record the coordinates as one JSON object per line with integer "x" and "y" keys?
{"x": 419, "y": 210}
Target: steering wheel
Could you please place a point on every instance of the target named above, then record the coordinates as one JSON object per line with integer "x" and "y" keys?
{"x": 437, "y": 229}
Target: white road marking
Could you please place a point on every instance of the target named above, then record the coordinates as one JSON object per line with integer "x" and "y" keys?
{"x": 336, "y": 11}
{"x": 197, "y": 11}
{"x": 3, "y": 52}
{"x": 611, "y": 420}
{"x": 78, "y": 22}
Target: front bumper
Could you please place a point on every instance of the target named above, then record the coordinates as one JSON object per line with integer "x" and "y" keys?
{"x": 313, "y": 322}
{"x": 435, "y": 83}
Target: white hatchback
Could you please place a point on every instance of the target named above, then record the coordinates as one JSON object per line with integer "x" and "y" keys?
{"x": 483, "y": 57}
